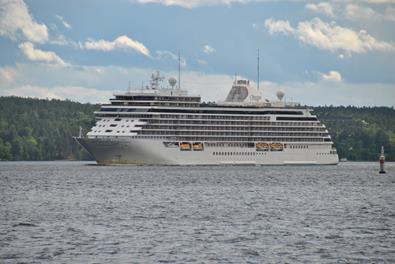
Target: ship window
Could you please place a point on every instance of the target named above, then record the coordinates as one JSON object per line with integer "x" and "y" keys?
{"x": 113, "y": 125}
{"x": 108, "y": 130}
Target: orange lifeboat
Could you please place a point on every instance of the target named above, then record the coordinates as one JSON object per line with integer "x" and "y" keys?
{"x": 276, "y": 147}
{"x": 262, "y": 146}
{"x": 185, "y": 146}
{"x": 197, "y": 146}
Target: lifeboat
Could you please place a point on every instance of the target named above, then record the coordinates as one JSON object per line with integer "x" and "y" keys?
{"x": 185, "y": 146}
{"x": 262, "y": 146}
{"x": 276, "y": 147}
{"x": 197, "y": 146}
{"x": 171, "y": 144}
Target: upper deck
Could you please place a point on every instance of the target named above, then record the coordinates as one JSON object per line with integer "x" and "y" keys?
{"x": 242, "y": 96}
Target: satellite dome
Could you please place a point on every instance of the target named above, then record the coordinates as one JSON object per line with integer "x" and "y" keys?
{"x": 280, "y": 95}
{"x": 172, "y": 81}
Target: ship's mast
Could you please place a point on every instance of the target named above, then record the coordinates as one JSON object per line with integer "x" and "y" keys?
{"x": 258, "y": 71}
{"x": 179, "y": 71}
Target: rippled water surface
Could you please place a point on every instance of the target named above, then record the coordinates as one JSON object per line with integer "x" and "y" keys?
{"x": 73, "y": 212}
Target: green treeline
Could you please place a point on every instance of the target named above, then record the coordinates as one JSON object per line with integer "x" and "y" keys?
{"x": 359, "y": 132}
{"x": 36, "y": 129}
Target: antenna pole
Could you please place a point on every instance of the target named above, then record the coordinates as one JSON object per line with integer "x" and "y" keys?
{"x": 258, "y": 71}
{"x": 179, "y": 71}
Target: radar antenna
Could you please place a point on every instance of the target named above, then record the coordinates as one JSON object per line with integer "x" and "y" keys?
{"x": 156, "y": 79}
{"x": 280, "y": 95}
{"x": 172, "y": 82}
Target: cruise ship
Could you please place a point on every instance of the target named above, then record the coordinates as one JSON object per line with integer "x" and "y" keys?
{"x": 156, "y": 125}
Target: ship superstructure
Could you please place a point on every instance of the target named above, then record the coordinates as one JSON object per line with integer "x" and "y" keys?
{"x": 167, "y": 126}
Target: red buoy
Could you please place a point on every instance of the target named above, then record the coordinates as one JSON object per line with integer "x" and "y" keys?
{"x": 381, "y": 160}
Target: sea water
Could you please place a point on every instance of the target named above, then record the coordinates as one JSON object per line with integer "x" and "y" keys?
{"x": 75, "y": 212}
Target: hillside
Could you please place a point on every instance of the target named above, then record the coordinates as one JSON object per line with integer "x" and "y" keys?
{"x": 359, "y": 133}
{"x": 37, "y": 129}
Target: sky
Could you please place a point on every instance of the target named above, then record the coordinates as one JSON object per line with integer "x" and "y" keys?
{"x": 337, "y": 52}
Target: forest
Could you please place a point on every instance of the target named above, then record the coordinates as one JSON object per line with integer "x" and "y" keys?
{"x": 38, "y": 129}
{"x": 41, "y": 129}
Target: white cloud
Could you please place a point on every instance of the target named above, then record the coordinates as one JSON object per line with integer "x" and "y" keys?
{"x": 15, "y": 21}
{"x": 380, "y": 1}
{"x": 7, "y": 75}
{"x": 63, "y": 21}
{"x": 121, "y": 42}
{"x": 389, "y": 13}
{"x": 211, "y": 87}
{"x": 100, "y": 77}
{"x": 201, "y": 62}
{"x": 332, "y": 76}
{"x": 323, "y": 7}
{"x": 326, "y": 93}
{"x": 330, "y": 36}
{"x": 62, "y": 41}
{"x": 165, "y": 54}
{"x": 97, "y": 84}
{"x": 32, "y": 91}
{"x": 361, "y": 11}
{"x": 74, "y": 93}
{"x": 354, "y": 11}
{"x": 208, "y": 49}
{"x": 39, "y": 55}
{"x": 333, "y": 37}
{"x": 278, "y": 26}
{"x": 189, "y": 3}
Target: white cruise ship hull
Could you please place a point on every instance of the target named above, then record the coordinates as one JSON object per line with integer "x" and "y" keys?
{"x": 154, "y": 152}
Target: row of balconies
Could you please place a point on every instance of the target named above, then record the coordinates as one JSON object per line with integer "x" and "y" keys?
{"x": 231, "y": 133}
{"x": 233, "y": 138}
{"x": 232, "y": 127}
